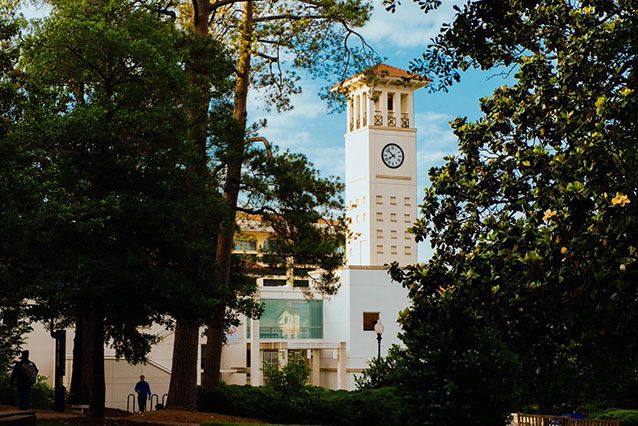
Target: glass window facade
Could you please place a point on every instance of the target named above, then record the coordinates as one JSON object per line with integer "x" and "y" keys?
{"x": 290, "y": 319}
{"x": 245, "y": 245}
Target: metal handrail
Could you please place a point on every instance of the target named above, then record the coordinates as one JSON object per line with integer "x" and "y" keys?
{"x": 136, "y": 409}
{"x": 128, "y": 401}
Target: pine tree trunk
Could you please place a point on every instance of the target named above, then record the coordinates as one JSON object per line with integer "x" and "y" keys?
{"x": 182, "y": 392}
{"x": 183, "y": 383}
{"x": 95, "y": 365}
{"x": 80, "y": 374}
{"x": 215, "y": 330}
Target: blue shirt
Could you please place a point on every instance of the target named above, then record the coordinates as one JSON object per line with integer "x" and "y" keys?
{"x": 143, "y": 388}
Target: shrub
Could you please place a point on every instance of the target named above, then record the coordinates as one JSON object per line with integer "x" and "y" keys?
{"x": 310, "y": 406}
{"x": 291, "y": 378}
{"x": 626, "y": 417}
{"x": 41, "y": 394}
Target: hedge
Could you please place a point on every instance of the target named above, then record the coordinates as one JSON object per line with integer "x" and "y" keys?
{"x": 311, "y": 405}
{"x": 626, "y": 417}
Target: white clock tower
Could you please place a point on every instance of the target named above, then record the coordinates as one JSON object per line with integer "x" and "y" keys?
{"x": 380, "y": 163}
{"x": 381, "y": 206}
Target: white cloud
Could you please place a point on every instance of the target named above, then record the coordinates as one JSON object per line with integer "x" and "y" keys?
{"x": 435, "y": 140}
{"x": 307, "y": 129}
{"x": 408, "y": 27}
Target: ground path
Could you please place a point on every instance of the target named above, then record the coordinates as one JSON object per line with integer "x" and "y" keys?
{"x": 120, "y": 417}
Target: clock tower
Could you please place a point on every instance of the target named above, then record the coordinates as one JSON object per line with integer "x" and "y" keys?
{"x": 380, "y": 139}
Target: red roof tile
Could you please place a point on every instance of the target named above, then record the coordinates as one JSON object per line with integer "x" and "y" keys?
{"x": 384, "y": 70}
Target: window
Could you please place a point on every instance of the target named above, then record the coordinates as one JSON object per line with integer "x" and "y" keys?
{"x": 393, "y": 234}
{"x": 271, "y": 359}
{"x": 406, "y": 218}
{"x": 407, "y": 250}
{"x": 379, "y": 216}
{"x": 390, "y": 101}
{"x": 274, "y": 283}
{"x": 270, "y": 245}
{"x": 244, "y": 244}
{"x": 291, "y": 319}
{"x": 393, "y": 249}
{"x": 379, "y": 233}
{"x": 301, "y": 283}
{"x": 393, "y": 217}
{"x": 379, "y": 199}
{"x": 406, "y": 201}
{"x": 393, "y": 201}
{"x": 379, "y": 249}
{"x": 369, "y": 320}
{"x": 407, "y": 235}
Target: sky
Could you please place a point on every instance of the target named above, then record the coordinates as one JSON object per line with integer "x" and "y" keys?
{"x": 400, "y": 37}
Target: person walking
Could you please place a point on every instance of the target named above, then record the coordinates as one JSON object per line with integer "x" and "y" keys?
{"x": 24, "y": 376}
{"x": 143, "y": 390}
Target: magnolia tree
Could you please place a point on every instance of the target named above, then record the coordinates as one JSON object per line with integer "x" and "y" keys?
{"x": 531, "y": 290}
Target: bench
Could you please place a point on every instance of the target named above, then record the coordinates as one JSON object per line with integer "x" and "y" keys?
{"x": 81, "y": 408}
{"x": 18, "y": 418}
{"x": 540, "y": 420}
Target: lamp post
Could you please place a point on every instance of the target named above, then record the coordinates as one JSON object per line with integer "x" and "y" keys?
{"x": 60, "y": 357}
{"x": 378, "y": 328}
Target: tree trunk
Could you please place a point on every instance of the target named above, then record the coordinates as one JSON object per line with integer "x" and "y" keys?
{"x": 215, "y": 331}
{"x": 183, "y": 384}
{"x": 95, "y": 366}
{"x": 182, "y": 392}
{"x": 80, "y": 374}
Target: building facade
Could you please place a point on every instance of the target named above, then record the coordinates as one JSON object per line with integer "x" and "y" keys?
{"x": 334, "y": 334}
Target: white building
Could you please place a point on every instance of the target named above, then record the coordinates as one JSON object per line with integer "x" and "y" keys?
{"x": 336, "y": 334}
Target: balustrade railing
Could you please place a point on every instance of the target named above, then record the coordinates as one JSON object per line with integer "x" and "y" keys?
{"x": 405, "y": 120}
{"x": 378, "y": 118}
{"x": 392, "y": 120}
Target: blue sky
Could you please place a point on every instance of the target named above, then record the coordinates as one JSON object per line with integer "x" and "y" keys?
{"x": 400, "y": 37}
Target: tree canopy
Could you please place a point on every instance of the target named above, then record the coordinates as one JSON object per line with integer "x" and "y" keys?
{"x": 533, "y": 223}
{"x": 112, "y": 238}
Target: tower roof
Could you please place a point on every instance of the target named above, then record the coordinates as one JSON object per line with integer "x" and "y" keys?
{"x": 384, "y": 73}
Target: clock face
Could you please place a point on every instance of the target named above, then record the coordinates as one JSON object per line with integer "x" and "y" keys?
{"x": 392, "y": 155}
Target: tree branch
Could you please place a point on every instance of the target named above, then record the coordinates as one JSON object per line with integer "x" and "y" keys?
{"x": 263, "y": 140}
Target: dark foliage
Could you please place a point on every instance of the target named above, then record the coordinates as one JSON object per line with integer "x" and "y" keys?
{"x": 309, "y": 406}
